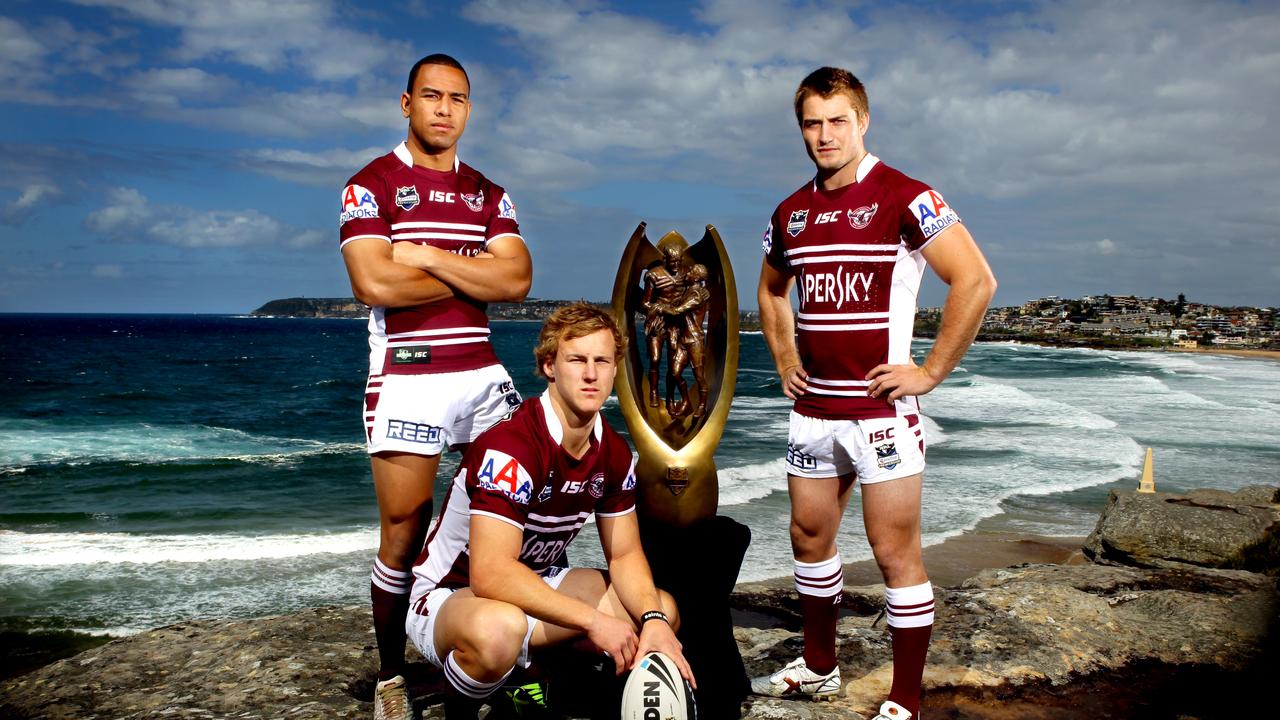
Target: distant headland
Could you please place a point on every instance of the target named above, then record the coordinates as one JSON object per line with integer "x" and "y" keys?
{"x": 1101, "y": 321}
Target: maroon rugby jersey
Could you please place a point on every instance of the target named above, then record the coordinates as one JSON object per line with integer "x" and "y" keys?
{"x": 517, "y": 472}
{"x": 855, "y": 256}
{"x": 460, "y": 211}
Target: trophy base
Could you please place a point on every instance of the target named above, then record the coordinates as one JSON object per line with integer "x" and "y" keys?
{"x": 698, "y": 564}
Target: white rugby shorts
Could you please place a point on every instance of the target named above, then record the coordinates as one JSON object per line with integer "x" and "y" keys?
{"x": 420, "y": 622}
{"x": 426, "y": 414}
{"x": 878, "y": 450}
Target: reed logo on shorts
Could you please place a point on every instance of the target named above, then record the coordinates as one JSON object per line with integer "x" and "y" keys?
{"x": 412, "y": 432}
{"x": 797, "y": 459}
{"x": 887, "y": 456}
{"x": 502, "y": 473}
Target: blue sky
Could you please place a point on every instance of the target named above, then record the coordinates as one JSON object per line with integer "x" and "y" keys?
{"x": 174, "y": 156}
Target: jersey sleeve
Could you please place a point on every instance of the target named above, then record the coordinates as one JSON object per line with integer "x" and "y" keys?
{"x": 500, "y": 474}
{"x": 620, "y": 483}
{"x": 501, "y": 216}
{"x": 773, "y": 245}
{"x": 364, "y": 213}
{"x": 924, "y": 215}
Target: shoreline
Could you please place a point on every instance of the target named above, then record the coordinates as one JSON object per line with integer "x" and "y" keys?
{"x": 949, "y": 564}
{"x": 1254, "y": 353}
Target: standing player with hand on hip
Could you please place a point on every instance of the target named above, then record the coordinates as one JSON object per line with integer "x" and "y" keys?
{"x": 427, "y": 242}
{"x": 854, "y": 241}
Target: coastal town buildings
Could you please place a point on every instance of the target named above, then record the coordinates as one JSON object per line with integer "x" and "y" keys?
{"x": 1127, "y": 320}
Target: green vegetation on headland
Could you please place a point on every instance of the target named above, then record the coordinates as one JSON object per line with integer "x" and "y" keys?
{"x": 1097, "y": 321}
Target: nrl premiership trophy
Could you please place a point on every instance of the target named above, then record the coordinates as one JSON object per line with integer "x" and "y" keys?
{"x": 678, "y": 304}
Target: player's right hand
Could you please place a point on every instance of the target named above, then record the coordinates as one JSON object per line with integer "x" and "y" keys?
{"x": 616, "y": 638}
{"x": 793, "y": 381}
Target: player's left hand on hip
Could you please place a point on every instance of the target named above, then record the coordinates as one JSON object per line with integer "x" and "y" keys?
{"x": 896, "y": 381}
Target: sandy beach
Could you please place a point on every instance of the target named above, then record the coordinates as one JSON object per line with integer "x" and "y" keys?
{"x": 1272, "y": 355}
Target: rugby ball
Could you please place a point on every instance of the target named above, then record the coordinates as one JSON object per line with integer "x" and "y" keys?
{"x": 655, "y": 691}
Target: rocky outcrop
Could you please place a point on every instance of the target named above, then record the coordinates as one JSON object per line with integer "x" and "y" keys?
{"x": 1033, "y": 641}
{"x": 1204, "y": 528}
{"x": 313, "y": 308}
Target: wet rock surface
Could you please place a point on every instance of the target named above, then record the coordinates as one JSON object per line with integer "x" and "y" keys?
{"x": 1203, "y": 528}
{"x": 1032, "y": 641}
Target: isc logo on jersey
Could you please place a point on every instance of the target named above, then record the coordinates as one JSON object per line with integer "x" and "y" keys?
{"x": 933, "y": 214}
{"x": 502, "y": 473}
{"x": 357, "y": 202}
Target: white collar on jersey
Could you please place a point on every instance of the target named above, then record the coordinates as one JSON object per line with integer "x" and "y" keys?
{"x": 864, "y": 167}
{"x": 402, "y": 152}
{"x": 553, "y": 420}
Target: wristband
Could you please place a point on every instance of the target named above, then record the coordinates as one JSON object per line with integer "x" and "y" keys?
{"x": 654, "y": 615}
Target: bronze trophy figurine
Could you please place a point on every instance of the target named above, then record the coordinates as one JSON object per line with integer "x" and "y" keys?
{"x": 682, "y": 304}
{"x": 685, "y": 304}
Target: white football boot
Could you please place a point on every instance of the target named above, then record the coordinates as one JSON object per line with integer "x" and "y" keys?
{"x": 391, "y": 700}
{"x": 797, "y": 679}
{"x": 891, "y": 710}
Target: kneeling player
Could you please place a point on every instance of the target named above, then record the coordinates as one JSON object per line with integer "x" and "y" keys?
{"x": 487, "y": 587}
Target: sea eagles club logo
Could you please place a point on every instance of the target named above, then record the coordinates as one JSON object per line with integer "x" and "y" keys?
{"x": 797, "y": 221}
{"x": 474, "y": 202}
{"x": 407, "y": 197}
{"x": 861, "y": 217}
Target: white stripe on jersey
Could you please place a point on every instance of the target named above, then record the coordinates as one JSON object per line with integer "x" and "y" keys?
{"x": 455, "y": 341}
{"x": 554, "y": 528}
{"x": 843, "y": 393}
{"x": 832, "y": 248}
{"x": 845, "y": 258}
{"x": 506, "y": 520}
{"x": 437, "y": 225}
{"x": 830, "y": 328}
{"x": 617, "y": 514}
{"x": 560, "y": 518}
{"x": 851, "y": 383}
{"x": 445, "y": 331}
{"x": 361, "y": 237}
{"x": 437, "y": 236}
{"x": 844, "y": 316}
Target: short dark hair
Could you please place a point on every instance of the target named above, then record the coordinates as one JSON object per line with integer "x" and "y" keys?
{"x": 828, "y": 81}
{"x": 571, "y": 322}
{"x": 435, "y": 59}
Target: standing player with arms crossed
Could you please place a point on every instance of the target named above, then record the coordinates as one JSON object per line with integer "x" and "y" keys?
{"x": 489, "y": 585}
{"x": 427, "y": 242}
{"x": 854, "y": 241}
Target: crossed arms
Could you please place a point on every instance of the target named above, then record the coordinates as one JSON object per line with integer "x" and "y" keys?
{"x": 406, "y": 274}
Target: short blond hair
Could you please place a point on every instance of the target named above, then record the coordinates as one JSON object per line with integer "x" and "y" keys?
{"x": 828, "y": 81}
{"x": 570, "y": 322}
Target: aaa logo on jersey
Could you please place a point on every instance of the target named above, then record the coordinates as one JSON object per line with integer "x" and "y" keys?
{"x": 933, "y": 213}
{"x": 768, "y": 239}
{"x": 357, "y": 202}
{"x": 502, "y": 473}
{"x": 506, "y": 208}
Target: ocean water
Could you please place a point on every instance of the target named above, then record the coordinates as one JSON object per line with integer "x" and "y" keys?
{"x": 155, "y": 469}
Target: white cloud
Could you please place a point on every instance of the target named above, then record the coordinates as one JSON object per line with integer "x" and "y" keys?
{"x": 110, "y": 271}
{"x": 309, "y": 36}
{"x": 27, "y": 202}
{"x": 129, "y": 217}
{"x": 1106, "y": 247}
